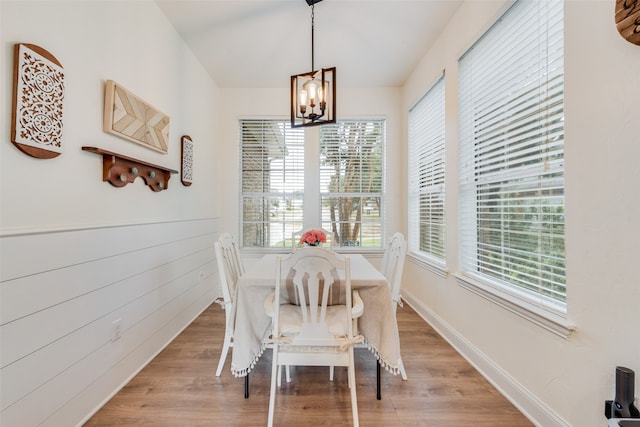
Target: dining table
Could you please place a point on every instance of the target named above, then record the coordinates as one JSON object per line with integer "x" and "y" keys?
{"x": 377, "y": 325}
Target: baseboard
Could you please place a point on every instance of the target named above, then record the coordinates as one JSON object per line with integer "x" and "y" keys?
{"x": 532, "y": 407}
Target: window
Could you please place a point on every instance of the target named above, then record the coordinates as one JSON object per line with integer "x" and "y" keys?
{"x": 512, "y": 158}
{"x": 426, "y": 175}
{"x": 351, "y": 180}
{"x": 272, "y": 182}
{"x": 280, "y": 191}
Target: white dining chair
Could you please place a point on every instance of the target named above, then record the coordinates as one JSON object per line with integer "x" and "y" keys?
{"x": 314, "y": 332}
{"x": 230, "y": 268}
{"x": 392, "y": 268}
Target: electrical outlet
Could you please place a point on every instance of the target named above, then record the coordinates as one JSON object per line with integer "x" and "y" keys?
{"x": 116, "y": 329}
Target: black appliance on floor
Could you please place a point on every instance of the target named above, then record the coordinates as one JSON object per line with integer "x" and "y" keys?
{"x": 622, "y": 406}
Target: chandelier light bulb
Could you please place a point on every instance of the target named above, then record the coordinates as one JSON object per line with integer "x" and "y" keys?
{"x": 303, "y": 98}
{"x": 311, "y": 87}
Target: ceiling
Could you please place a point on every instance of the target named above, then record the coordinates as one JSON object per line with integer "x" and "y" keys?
{"x": 261, "y": 43}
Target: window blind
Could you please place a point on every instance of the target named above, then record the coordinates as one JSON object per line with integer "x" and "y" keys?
{"x": 511, "y": 155}
{"x": 351, "y": 181}
{"x": 426, "y": 174}
{"x": 272, "y": 182}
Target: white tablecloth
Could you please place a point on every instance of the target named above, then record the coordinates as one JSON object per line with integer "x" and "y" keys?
{"x": 378, "y": 323}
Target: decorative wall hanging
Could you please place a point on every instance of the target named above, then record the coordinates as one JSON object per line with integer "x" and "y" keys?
{"x": 38, "y": 91}
{"x": 121, "y": 170}
{"x": 187, "y": 160}
{"x": 131, "y": 118}
{"x": 628, "y": 20}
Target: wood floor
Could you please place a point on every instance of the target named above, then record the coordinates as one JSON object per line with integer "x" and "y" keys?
{"x": 179, "y": 387}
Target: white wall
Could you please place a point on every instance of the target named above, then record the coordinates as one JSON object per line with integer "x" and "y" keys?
{"x": 555, "y": 381}
{"x": 78, "y": 253}
{"x": 133, "y": 44}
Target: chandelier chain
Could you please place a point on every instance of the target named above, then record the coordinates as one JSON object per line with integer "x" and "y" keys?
{"x": 312, "y": 29}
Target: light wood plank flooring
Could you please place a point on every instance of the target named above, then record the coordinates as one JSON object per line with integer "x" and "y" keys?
{"x": 179, "y": 387}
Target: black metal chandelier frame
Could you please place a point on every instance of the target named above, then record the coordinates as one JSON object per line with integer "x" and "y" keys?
{"x": 313, "y": 94}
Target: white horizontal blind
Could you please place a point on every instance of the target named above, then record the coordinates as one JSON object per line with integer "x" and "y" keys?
{"x": 426, "y": 174}
{"x": 272, "y": 182}
{"x": 351, "y": 181}
{"x": 511, "y": 94}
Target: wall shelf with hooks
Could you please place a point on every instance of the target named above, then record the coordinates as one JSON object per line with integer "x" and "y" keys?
{"x": 120, "y": 170}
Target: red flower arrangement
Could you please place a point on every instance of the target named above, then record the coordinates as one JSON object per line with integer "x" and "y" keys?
{"x": 313, "y": 238}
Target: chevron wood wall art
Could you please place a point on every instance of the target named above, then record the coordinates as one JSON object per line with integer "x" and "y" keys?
{"x": 131, "y": 118}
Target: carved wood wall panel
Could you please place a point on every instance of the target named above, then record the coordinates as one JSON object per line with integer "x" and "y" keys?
{"x": 628, "y": 20}
{"x": 186, "y": 168}
{"x": 38, "y": 91}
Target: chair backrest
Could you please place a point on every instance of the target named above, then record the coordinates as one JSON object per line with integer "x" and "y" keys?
{"x": 315, "y": 275}
{"x": 296, "y": 235}
{"x": 230, "y": 266}
{"x": 393, "y": 264}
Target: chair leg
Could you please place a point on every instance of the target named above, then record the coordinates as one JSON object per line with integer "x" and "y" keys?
{"x": 223, "y": 355}
{"x": 402, "y": 371}
{"x": 272, "y": 396}
{"x": 246, "y": 386}
{"x": 331, "y": 373}
{"x": 279, "y": 376}
{"x": 378, "y": 393}
{"x": 354, "y": 397}
{"x": 287, "y": 373}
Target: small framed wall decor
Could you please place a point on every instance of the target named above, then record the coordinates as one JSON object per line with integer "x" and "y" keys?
{"x": 186, "y": 169}
{"x": 131, "y": 118}
{"x": 38, "y": 92}
{"x": 627, "y": 18}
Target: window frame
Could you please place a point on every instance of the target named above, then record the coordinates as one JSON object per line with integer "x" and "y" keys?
{"x": 298, "y": 142}
{"x": 377, "y": 122}
{"x": 547, "y": 312}
{"x": 312, "y": 194}
{"x": 426, "y": 174}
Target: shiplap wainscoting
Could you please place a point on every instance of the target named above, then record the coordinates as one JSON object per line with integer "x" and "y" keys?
{"x": 62, "y": 295}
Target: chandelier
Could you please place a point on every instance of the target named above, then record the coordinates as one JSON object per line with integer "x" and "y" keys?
{"x": 313, "y": 94}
